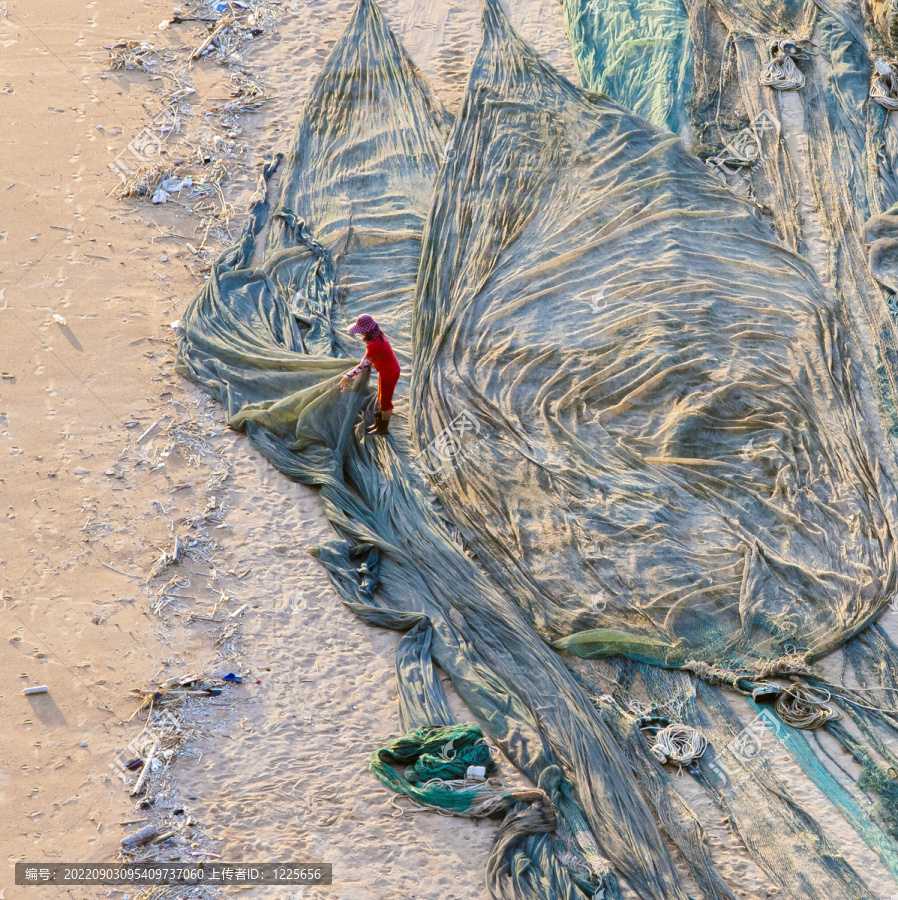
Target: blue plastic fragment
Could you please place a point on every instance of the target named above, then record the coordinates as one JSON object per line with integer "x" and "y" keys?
{"x": 236, "y": 679}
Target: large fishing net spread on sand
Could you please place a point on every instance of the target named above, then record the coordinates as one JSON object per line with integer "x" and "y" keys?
{"x": 642, "y": 484}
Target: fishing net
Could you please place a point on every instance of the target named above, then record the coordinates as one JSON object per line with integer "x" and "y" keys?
{"x": 643, "y": 441}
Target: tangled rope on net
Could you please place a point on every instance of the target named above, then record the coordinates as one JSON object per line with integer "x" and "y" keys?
{"x": 806, "y": 707}
{"x": 884, "y": 88}
{"x": 489, "y": 797}
{"x": 678, "y": 744}
{"x": 714, "y": 675}
{"x": 781, "y": 73}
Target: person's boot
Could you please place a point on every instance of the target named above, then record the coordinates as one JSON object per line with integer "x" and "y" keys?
{"x": 381, "y": 424}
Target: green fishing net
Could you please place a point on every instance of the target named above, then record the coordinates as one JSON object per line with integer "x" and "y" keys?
{"x": 643, "y": 442}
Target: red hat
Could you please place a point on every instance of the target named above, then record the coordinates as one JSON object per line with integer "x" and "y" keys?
{"x": 363, "y": 325}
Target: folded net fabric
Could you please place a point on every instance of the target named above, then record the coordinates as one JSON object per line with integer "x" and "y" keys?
{"x": 638, "y": 430}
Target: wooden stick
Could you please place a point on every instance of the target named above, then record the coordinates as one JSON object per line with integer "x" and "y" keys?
{"x": 148, "y": 430}
{"x": 140, "y": 837}
{"x": 145, "y": 771}
{"x": 227, "y": 20}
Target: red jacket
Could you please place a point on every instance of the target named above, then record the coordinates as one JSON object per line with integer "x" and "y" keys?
{"x": 381, "y": 355}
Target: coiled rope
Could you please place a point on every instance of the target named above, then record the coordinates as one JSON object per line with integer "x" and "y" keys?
{"x": 884, "y": 88}
{"x": 806, "y": 707}
{"x": 781, "y": 73}
{"x": 678, "y": 744}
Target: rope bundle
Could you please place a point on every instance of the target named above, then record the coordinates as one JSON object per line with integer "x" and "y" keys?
{"x": 884, "y": 89}
{"x": 485, "y": 798}
{"x": 781, "y": 73}
{"x": 806, "y": 707}
{"x": 679, "y": 744}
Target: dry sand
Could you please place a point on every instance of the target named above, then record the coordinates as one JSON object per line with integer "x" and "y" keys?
{"x": 276, "y": 769}
{"x": 280, "y": 769}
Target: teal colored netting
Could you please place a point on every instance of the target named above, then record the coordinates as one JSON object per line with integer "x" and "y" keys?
{"x": 825, "y": 772}
{"x": 432, "y": 757}
{"x": 674, "y": 470}
{"x": 850, "y": 169}
{"x": 633, "y": 424}
{"x": 639, "y": 53}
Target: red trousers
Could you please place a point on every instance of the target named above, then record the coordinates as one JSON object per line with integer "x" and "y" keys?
{"x": 386, "y": 384}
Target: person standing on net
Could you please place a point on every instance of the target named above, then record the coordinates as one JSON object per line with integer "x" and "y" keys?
{"x": 378, "y": 353}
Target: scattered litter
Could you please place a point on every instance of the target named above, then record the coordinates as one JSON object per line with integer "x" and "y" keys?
{"x": 38, "y": 689}
{"x": 207, "y": 43}
{"x": 131, "y": 55}
{"x": 141, "y": 837}
{"x": 168, "y": 559}
{"x": 120, "y": 572}
{"x": 60, "y": 320}
{"x": 211, "y": 515}
{"x": 156, "y": 175}
{"x": 182, "y": 681}
{"x": 236, "y": 679}
{"x": 177, "y": 325}
{"x": 146, "y": 433}
{"x": 178, "y": 688}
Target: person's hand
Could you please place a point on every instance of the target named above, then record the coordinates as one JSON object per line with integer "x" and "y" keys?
{"x": 345, "y": 381}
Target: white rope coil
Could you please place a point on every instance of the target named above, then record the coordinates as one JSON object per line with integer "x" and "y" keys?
{"x": 884, "y": 89}
{"x": 781, "y": 73}
{"x": 806, "y": 707}
{"x": 678, "y": 744}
